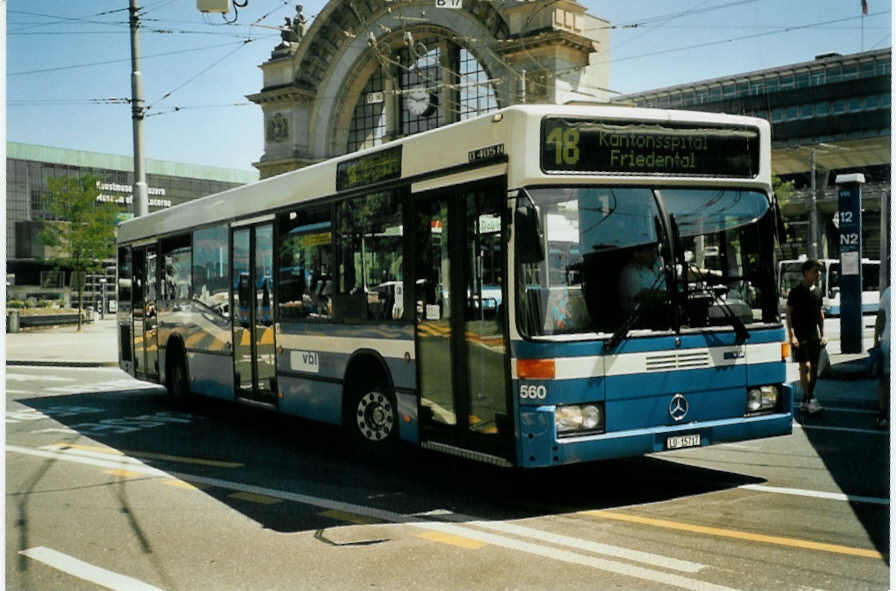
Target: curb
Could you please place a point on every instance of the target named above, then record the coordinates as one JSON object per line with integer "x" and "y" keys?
{"x": 63, "y": 363}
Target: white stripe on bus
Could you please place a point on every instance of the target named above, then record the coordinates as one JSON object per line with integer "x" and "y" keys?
{"x": 396, "y": 348}
{"x": 635, "y": 363}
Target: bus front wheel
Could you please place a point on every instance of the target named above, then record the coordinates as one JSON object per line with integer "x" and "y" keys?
{"x": 374, "y": 418}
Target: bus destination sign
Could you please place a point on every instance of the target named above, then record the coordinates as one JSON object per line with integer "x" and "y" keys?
{"x": 646, "y": 147}
{"x": 369, "y": 169}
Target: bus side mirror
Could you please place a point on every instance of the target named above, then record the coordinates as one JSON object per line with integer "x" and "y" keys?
{"x": 528, "y": 233}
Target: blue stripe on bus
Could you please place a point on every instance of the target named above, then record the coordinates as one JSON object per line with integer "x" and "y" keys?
{"x": 312, "y": 399}
{"x": 540, "y": 451}
{"x": 761, "y": 374}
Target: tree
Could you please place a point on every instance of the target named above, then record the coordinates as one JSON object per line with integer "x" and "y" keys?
{"x": 81, "y": 229}
{"x": 783, "y": 189}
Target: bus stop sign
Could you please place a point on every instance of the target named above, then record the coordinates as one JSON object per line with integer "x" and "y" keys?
{"x": 850, "y": 212}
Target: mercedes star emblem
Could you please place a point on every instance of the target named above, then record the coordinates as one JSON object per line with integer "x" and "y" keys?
{"x": 678, "y": 407}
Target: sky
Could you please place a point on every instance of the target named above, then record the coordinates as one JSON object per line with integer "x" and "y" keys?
{"x": 68, "y": 62}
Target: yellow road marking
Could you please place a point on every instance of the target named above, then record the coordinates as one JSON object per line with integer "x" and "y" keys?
{"x": 255, "y": 498}
{"x": 184, "y": 459}
{"x": 735, "y": 534}
{"x": 124, "y": 473}
{"x": 187, "y": 485}
{"x": 105, "y": 450}
{"x": 437, "y": 536}
{"x": 348, "y": 517}
{"x": 148, "y": 455}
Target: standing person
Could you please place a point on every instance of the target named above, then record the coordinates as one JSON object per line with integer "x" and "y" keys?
{"x": 805, "y": 331}
{"x": 882, "y": 340}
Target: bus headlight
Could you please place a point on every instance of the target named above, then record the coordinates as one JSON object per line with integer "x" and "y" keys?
{"x": 579, "y": 418}
{"x": 762, "y": 398}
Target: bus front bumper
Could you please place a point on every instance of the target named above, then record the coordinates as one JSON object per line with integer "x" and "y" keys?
{"x": 551, "y": 451}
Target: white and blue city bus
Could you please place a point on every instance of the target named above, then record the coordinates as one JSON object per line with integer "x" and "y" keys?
{"x": 460, "y": 288}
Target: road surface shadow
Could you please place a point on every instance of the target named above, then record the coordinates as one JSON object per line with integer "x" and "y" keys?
{"x": 218, "y": 444}
{"x": 856, "y": 456}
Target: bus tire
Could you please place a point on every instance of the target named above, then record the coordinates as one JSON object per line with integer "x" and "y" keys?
{"x": 373, "y": 417}
{"x": 177, "y": 379}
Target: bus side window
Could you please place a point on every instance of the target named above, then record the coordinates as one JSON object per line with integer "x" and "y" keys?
{"x": 305, "y": 243}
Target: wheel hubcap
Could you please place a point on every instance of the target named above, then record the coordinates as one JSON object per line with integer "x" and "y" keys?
{"x": 375, "y": 416}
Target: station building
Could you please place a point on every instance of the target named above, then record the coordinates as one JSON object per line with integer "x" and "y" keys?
{"x": 28, "y": 168}
{"x": 831, "y": 114}
{"x": 368, "y": 72}
{"x": 365, "y": 73}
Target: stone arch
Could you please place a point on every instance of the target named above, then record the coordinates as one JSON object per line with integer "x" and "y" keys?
{"x": 347, "y": 90}
{"x": 314, "y": 79}
{"x": 342, "y": 22}
{"x": 333, "y": 76}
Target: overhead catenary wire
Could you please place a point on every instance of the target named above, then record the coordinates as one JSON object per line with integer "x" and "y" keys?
{"x": 199, "y": 73}
{"x": 120, "y": 60}
{"x": 663, "y": 22}
{"x": 786, "y": 29}
{"x": 674, "y": 15}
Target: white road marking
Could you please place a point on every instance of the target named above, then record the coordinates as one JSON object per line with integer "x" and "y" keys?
{"x": 67, "y": 369}
{"x": 86, "y": 571}
{"x": 27, "y": 377}
{"x": 554, "y": 553}
{"x": 110, "y": 385}
{"x": 32, "y": 414}
{"x": 816, "y": 494}
{"x": 846, "y": 429}
{"x": 560, "y": 540}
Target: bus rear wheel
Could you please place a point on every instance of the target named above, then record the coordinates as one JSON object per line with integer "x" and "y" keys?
{"x": 374, "y": 418}
{"x": 177, "y": 382}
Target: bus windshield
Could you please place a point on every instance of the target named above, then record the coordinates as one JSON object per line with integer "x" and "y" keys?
{"x": 610, "y": 258}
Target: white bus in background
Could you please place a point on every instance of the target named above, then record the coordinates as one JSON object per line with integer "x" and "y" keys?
{"x": 790, "y": 274}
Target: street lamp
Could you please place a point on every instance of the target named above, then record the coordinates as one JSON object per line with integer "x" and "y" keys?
{"x": 811, "y": 206}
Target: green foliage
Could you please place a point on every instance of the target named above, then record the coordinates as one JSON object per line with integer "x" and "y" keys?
{"x": 81, "y": 229}
{"x": 783, "y": 189}
{"x": 15, "y": 305}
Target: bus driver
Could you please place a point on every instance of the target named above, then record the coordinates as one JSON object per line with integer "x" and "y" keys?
{"x": 642, "y": 281}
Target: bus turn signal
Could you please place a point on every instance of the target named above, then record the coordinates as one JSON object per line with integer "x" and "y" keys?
{"x": 535, "y": 369}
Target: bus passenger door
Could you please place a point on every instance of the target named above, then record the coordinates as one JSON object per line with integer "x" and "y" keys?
{"x": 252, "y": 306}
{"x": 150, "y": 315}
{"x": 461, "y": 333}
{"x": 138, "y": 299}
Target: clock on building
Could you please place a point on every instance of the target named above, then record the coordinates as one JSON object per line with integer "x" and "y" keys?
{"x": 420, "y": 102}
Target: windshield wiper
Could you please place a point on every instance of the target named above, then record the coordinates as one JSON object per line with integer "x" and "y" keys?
{"x": 740, "y": 329}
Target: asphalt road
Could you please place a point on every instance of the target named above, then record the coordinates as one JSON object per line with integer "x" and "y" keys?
{"x": 108, "y": 486}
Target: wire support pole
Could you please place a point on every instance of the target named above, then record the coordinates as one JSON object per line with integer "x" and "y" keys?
{"x": 140, "y": 194}
{"x": 811, "y": 211}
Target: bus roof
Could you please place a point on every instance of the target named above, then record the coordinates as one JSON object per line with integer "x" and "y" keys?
{"x": 456, "y": 146}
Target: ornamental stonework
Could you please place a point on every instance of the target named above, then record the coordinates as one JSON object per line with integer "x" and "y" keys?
{"x": 278, "y": 128}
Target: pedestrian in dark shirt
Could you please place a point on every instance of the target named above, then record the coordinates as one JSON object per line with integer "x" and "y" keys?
{"x": 805, "y": 331}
